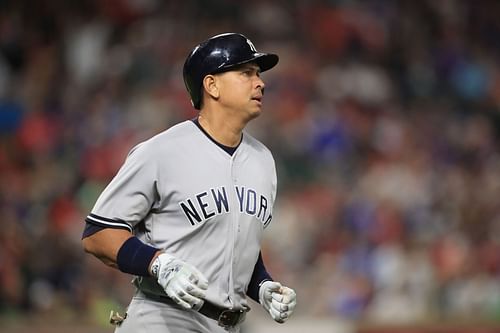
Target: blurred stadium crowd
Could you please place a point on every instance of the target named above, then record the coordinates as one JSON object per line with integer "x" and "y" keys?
{"x": 383, "y": 117}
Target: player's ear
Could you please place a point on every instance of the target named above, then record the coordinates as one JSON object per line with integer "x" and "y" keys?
{"x": 210, "y": 86}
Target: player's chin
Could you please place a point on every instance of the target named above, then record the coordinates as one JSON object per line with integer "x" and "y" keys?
{"x": 255, "y": 113}
{"x": 256, "y": 108}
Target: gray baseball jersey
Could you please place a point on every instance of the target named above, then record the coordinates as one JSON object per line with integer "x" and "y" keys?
{"x": 181, "y": 192}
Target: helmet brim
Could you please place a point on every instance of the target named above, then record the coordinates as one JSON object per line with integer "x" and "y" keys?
{"x": 265, "y": 61}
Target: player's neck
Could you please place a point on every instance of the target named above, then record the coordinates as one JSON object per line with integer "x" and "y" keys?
{"x": 225, "y": 130}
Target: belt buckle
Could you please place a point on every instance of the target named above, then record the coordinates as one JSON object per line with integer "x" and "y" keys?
{"x": 230, "y": 318}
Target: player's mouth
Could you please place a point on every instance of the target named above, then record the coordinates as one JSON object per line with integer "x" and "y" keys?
{"x": 257, "y": 98}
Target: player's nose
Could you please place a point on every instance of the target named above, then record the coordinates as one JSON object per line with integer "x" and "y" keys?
{"x": 260, "y": 84}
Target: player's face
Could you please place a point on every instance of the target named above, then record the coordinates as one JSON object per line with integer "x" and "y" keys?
{"x": 242, "y": 90}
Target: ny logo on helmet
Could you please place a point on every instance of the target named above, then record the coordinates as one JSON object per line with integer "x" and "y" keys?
{"x": 252, "y": 47}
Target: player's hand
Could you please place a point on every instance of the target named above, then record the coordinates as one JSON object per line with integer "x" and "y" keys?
{"x": 278, "y": 300}
{"x": 182, "y": 282}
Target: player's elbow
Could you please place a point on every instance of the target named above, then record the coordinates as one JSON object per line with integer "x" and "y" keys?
{"x": 105, "y": 244}
{"x": 89, "y": 245}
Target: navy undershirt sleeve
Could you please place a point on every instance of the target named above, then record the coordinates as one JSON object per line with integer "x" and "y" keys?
{"x": 91, "y": 229}
{"x": 259, "y": 275}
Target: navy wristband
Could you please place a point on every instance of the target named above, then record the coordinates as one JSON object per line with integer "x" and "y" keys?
{"x": 259, "y": 276}
{"x": 134, "y": 257}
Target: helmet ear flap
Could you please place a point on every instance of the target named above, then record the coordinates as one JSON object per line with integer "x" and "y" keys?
{"x": 218, "y": 54}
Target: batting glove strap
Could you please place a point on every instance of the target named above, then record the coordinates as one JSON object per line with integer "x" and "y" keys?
{"x": 182, "y": 282}
{"x": 278, "y": 300}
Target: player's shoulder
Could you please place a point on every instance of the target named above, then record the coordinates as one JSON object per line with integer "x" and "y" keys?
{"x": 177, "y": 131}
{"x": 166, "y": 139}
{"x": 256, "y": 145}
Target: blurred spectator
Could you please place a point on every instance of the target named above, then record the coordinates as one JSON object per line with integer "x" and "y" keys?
{"x": 383, "y": 117}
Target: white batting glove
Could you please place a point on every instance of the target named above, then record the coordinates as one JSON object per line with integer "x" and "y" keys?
{"x": 182, "y": 282}
{"x": 278, "y": 300}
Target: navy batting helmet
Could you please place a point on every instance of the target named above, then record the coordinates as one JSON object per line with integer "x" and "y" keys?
{"x": 218, "y": 54}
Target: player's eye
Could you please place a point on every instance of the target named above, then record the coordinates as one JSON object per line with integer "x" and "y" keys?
{"x": 251, "y": 72}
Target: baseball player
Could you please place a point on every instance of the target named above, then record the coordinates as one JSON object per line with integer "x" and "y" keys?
{"x": 186, "y": 212}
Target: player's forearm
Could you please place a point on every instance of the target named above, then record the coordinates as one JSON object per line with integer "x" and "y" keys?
{"x": 108, "y": 261}
{"x": 259, "y": 275}
{"x": 105, "y": 245}
{"x": 119, "y": 249}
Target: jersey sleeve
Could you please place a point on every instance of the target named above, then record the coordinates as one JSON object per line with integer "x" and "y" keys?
{"x": 131, "y": 194}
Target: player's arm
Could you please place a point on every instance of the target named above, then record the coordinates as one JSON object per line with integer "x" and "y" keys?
{"x": 279, "y": 301}
{"x": 119, "y": 248}
{"x": 259, "y": 276}
{"x": 106, "y": 243}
